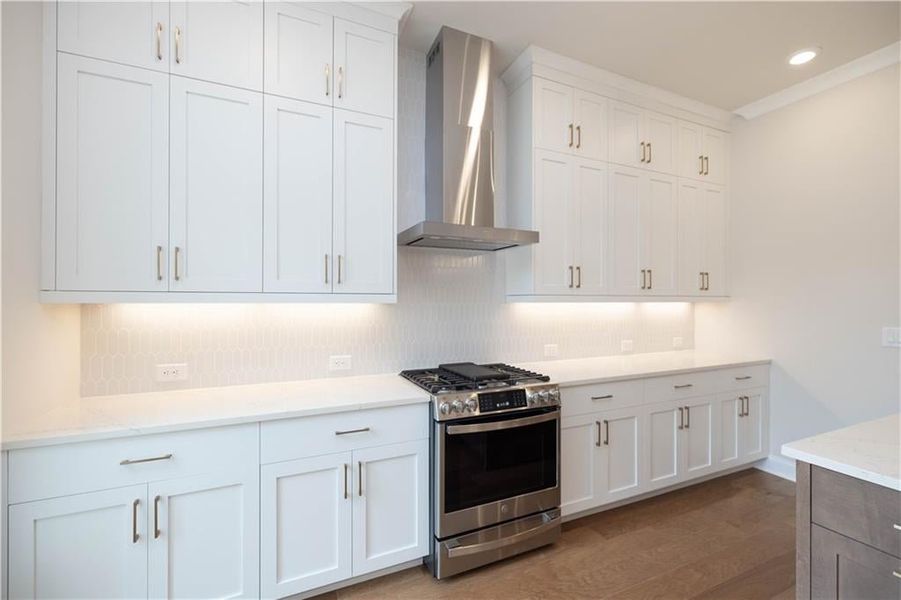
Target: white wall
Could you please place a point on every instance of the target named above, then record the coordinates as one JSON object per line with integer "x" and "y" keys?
{"x": 814, "y": 255}
{"x": 40, "y": 359}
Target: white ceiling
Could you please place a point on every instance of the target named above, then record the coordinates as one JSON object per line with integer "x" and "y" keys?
{"x": 726, "y": 54}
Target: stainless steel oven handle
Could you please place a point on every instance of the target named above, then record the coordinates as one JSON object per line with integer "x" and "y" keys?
{"x": 504, "y": 542}
{"x": 498, "y": 425}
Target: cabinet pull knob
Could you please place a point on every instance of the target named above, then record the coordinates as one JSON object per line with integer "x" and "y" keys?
{"x": 134, "y": 522}
{"x": 159, "y": 263}
{"x": 650, "y": 153}
{"x": 349, "y": 431}
{"x": 598, "y": 442}
{"x": 606, "y": 432}
{"x": 156, "y": 518}
{"x": 578, "y": 136}
{"x": 604, "y": 397}
{"x": 683, "y": 386}
{"x": 345, "y": 481}
{"x": 570, "y": 276}
{"x": 681, "y": 424}
{"x": 687, "y": 417}
{"x": 178, "y": 45}
{"x": 340, "y": 85}
{"x": 327, "y": 77}
{"x": 326, "y": 268}
{"x": 137, "y": 461}
{"x": 743, "y": 378}
{"x": 360, "y": 473}
{"x": 159, "y": 41}
{"x": 578, "y": 277}
{"x": 175, "y": 262}
{"x": 642, "y": 152}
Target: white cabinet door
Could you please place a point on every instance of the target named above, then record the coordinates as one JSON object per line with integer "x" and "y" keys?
{"x": 590, "y": 227}
{"x": 713, "y": 219}
{"x": 364, "y": 222}
{"x": 730, "y": 426}
{"x": 364, "y": 69}
{"x": 552, "y": 114}
{"x": 132, "y": 33}
{"x": 297, "y": 202}
{"x": 698, "y": 448}
{"x": 621, "y": 432}
{"x": 717, "y": 154}
{"x": 216, "y": 188}
{"x": 658, "y": 231}
{"x": 390, "y": 506}
{"x": 298, "y": 52}
{"x": 625, "y": 230}
{"x": 664, "y": 441}
{"x": 219, "y": 41}
{"x": 580, "y": 463}
{"x": 306, "y": 524}
{"x": 661, "y": 136}
{"x": 554, "y": 207}
{"x": 204, "y": 536}
{"x": 591, "y": 125}
{"x": 691, "y": 150}
{"x": 752, "y": 433}
{"x": 690, "y": 238}
{"x": 86, "y": 546}
{"x": 112, "y": 174}
{"x": 625, "y": 132}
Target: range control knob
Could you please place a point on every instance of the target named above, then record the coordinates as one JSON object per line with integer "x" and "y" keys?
{"x": 531, "y": 398}
{"x": 471, "y": 405}
{"x": 543, "y": 396}
{"x": 554, "y": 395}
{"x": 457, "y": 406}
{"x": 444, "y": 408}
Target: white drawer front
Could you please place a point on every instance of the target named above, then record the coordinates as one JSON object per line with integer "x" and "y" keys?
{"x": 50, "y": 471}
{"x": 675, "y": 387}
{"x": 743, "y": 378}
{"x": 586, "y": 399}
{"x": 312, "y": 436}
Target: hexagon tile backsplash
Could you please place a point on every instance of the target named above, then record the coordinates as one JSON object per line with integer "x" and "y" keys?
{"x": 450, "y": 308}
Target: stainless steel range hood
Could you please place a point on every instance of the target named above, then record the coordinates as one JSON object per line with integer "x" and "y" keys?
{"x": 459, "y": 150}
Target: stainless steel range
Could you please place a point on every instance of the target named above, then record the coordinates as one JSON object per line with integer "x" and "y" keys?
{"x": 495, "y": 452}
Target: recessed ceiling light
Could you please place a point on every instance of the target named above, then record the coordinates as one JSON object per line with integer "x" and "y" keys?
{"x": 802, "y": 57}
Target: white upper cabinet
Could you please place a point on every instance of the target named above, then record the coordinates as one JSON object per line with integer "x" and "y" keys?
{"x": 625, "y": 129}
{"x": 703, "y": 153}
{"x": 589, "y": 229}
{"x": 661, "y": 137}
{"x": 132, "y": 33}
{"x": 112, "y": 177}
{"x": 554, "y": 218}
{"x": 553, "y": 115}
{"x": 591, "y": 125}
{"x": 627, "y": 275}
{"x": 714, "y": 249}
{"x": 365, "y": 60}
{"x": 364, "y": 239}
{"x": 221, "y": 42}
{"x": 642, "y": 138}
{"x": 297, "y": 204}
{"x": 702, "y": 239}
{"x": 216, "y": 193}
{"x": 659, "y": 233}
{"x": 298, "y": 52}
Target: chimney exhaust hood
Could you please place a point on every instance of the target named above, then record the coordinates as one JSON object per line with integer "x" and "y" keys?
{"x": 459, "y": 150}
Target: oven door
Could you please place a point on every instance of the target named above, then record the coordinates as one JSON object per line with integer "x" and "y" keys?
{"x": 495, "y": 468}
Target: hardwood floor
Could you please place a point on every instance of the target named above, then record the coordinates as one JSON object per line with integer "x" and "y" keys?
{"x": 731, "y": 538}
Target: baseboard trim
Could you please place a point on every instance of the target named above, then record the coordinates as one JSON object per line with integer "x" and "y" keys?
{"x": 779, "y": 466}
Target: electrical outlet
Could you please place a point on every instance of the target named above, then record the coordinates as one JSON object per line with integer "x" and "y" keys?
{"x": 677, "y": 343}
{"x": 339, "y": 362}
{"x": 172, "y": 372}
{"x": 551, "y": 350}
{"x": 626, "y": 345}
{"x": 891, "y": 337}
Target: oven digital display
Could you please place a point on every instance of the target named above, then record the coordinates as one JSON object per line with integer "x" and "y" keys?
{"x": 492, "y": 401}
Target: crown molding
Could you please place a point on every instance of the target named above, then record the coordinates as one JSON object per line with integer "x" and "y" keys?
{"x": 856, "y": 68}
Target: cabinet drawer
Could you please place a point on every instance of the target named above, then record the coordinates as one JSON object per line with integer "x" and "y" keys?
{"x": 49, "y": 471}
{"x": 742, "y": 378}
{"x": 675, "y": 387}
{"x": 325, "y": 434}
{"x": 585, "y": 399}
{"x": 860, "y": 510}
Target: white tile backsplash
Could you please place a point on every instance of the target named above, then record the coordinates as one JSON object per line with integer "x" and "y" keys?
{"x": 450, "y": 308}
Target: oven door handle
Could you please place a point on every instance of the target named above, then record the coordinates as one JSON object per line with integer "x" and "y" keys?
{"x": 504, "y": 542}
{"x": 499, "y": 425}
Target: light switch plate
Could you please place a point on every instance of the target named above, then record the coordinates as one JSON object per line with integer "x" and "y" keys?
{"x": 172, "y": 372}
{"x": 626, "y": 345}
{"x": 551, "y": 350}
{"x": 891, "y": 337}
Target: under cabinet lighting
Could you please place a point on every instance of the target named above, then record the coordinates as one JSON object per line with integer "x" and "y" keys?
{"x": 802, "y": 57}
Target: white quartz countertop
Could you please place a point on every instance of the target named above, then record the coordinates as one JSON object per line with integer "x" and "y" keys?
{"x": 101, "y": 417}
{"x": 870, "y": 451}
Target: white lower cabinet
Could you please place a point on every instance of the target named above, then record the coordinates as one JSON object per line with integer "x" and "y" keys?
{"x": 580, "y": 463}
{"x": 743, "y": 418}
{"x": 664, "y": 444}
{"x": 621, "y": 449}
{"x": 331, "y": 517}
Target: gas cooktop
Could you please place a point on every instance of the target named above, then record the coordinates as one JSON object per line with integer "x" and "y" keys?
{"x": 462, "y": 377}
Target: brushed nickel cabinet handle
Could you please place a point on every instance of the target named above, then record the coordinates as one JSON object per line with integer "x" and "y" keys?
{"x": 897, "y": 574}
{"x": 578, "y": 136}
{"x": 644, "y": 279}
{"x": 178, "y": 45}
{"x": 345, "y": 481}
{"x": 340, "y": 261}
{"x": 681, "y": 424}
{"x": 327, "y": 77}
{"x": 570, "y": 276}
{"x": 159, "y": 263}
{"x": 349, "y": 431}
{"x": 701, "y": 167}
{"x": 642, "y": 152}
{"x": 745, "y": 378}
{"x": 701, "y": 275}
{"x": 570, "y": 135}
{"x": 687, "y": 417}
{"x": 175, "y": 261}
{"x": 706, "y": 165}
{"x": 606, "y": 432}
{"x": 650, "y": 276}
{"x": 360, "y": 469}
{"x": 706, "y": 281}
{"x": 156, "y": 518}
{"x": 159, "y": 41}
{"x": 598, "y": 442}
{"x": 604, "y": 397}
{"x": 137, "y": 461}
{"x": 326, "y": 268}
{"x": 683, "y": 386}
{"x": 578, "y": 277}
{"x": 650, "y": 153}
{"x": 747, "y": 406}
{"x": 134, "y": 522}
{"x": 741, "y": 406}
{"x": 340, "y": 82}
